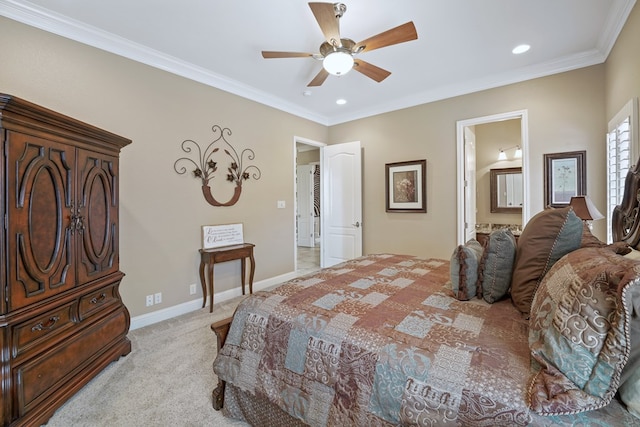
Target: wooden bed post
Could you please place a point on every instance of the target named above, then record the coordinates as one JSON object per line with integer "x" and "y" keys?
{"x": 221, "y": 328}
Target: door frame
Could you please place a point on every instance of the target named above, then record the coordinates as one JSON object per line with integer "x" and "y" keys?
{"x": 319, "y": 145}
{"x": 524, "y": 131}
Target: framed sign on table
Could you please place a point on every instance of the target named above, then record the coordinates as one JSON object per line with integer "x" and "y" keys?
{"x": 565, "y": 176}
{"x": 406, "y": 186}
{"x": 215, "y": 236}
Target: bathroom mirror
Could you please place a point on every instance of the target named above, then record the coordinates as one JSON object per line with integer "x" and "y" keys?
{"x": 506, "y": 190}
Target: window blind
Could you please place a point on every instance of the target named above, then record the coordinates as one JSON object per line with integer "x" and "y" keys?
{"x": 620, "y": 151}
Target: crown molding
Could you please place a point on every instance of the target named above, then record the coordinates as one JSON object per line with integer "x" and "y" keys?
{"x": 561, "y": 65}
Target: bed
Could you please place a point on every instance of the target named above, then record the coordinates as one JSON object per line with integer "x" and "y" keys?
{"x": 544, "y": 332}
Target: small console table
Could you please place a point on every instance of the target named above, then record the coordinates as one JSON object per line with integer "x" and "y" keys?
{"x": 209, "y": 257}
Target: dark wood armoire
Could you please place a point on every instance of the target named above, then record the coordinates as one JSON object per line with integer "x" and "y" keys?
{"x": 61, "y": 316}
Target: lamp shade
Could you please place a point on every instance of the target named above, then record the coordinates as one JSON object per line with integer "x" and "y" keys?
{"x": 584, "y": 208}
{"x": 338, "y": 62}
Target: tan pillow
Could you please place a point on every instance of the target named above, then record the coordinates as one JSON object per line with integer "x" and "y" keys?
{"x": 546, "y": 238}
{"x": 589, "y": 240}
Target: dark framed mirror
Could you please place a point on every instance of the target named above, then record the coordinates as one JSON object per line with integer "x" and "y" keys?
{"x": 506, "y": 190}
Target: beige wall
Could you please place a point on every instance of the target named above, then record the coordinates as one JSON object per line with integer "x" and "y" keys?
{"x": 622, "y": 68}
{"x": 566, "y": 113}
{"x": 160, "y": 211}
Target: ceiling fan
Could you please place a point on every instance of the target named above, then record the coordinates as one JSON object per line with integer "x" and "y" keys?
{"x": 338, "y": 55}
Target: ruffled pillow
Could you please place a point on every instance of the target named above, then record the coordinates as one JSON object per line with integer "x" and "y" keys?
{"x": 463, "y": 269}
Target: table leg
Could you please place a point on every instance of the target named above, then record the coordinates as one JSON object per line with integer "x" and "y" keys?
{"x": 243, "y": 267}
{"x": 211, "y": 275}
{"x": 253, "y": 269}
{"x": 203, "y": 283}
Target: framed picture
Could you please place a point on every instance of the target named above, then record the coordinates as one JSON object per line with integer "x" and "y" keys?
{"x": 406, "y": 186}
{"x": 565, "y": 176}
{"x": 215, "y": 236}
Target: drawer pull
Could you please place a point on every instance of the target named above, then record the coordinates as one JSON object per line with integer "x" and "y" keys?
{"x": 99, "y": 299}
{"x": 49, "y": 325}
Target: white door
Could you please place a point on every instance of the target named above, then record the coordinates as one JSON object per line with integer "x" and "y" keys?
{"x": 341, "y": 203}
{"x": 469, "y": 184}
{"x": 304, "y": 194}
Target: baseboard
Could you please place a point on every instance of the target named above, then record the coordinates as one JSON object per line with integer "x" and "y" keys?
{"x": 189, "y": 306}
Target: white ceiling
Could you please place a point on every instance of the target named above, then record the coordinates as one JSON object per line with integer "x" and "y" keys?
{"x": 463, "y": 45}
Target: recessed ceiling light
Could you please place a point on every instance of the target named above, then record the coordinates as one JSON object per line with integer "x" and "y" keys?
{"x": 306, "y": 93}
{"x": 341, "y": 101}
{"x": 520, "y": 49}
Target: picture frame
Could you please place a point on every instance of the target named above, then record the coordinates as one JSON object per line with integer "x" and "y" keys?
{"x": 406, "y": 186}
{"x": 215, "y": 236}
{"x": 565, "y": 176}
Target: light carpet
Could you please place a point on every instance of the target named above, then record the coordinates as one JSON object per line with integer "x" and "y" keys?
{"x": 166, "y": 380}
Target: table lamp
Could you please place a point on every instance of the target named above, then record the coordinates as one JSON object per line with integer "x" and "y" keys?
{"x": 585, "y": 209}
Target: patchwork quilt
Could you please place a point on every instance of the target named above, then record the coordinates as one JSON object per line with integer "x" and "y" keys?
{"x": 380, "y": 340}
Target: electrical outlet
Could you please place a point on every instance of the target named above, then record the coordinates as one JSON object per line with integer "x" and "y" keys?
{"x": 192, "y": 289}
{"x": 157, "y": 298}
{"x": 149, "y": 300}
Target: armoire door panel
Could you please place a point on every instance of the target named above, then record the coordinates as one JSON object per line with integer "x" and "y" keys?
{"x": 39, "y": 206}
{"x": 44, "y": 229}
{"x": 98, "y": 205}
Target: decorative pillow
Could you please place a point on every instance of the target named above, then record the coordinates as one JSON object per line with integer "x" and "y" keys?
{"x": 546, "y": 238}
{"x": 630, "y": 393}
{"x": 465, "y": 261}
{"x": 620, "y": 248}
{"x": 589, "y": 240}
{"x": 496, "y": 265}
{"x": 580, "y": 331}
{"x": 630, "y": 378}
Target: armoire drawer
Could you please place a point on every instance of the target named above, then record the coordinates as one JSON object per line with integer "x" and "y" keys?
{"x": 42, "y": 328}
{"x": 98, "y": 300}
{"x": 42, "y": 375}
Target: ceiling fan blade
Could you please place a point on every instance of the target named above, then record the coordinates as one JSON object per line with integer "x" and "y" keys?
{"x": 328, "y": 21}
{"x": 271, "y": 54}
{"x": 319, "y": 78}
{"x": 400, "y": 34}
{"x": 376, "y": 73}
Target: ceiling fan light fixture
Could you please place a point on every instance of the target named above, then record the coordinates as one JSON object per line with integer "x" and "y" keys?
{"x": 338, "y": 62}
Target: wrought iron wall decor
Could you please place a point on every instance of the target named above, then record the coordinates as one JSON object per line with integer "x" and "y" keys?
{"x": 205, "y": 166}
